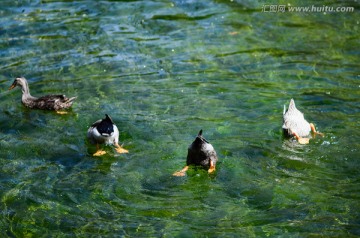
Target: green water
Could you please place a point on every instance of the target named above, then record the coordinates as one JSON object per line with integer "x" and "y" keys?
{"x": 164, "y": 70}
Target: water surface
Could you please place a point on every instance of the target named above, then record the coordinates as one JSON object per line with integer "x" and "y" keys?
{"x": 164, "y": 70}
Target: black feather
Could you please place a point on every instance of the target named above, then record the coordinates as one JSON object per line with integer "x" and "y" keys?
{"x": 105, "y": 126}
{"x": 199, "y": 153}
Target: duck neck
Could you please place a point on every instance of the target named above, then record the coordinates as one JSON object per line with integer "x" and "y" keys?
{"x": 25, "y": 91}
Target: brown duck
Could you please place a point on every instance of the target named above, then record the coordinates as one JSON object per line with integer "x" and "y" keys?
{"x": 48, "y": 102}
{"x": 202, "y": 153}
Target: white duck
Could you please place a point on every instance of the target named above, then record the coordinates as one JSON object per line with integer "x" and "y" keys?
{"x": 294, "y": 124}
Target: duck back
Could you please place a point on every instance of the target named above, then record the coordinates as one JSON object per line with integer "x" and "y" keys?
{"x": 294, "y": 121}
{"x": 201, "y": 152}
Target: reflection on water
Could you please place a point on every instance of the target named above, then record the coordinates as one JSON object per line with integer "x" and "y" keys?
{"x": 163, "y": 71}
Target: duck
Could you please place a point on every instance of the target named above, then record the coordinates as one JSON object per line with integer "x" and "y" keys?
{"x": 295, "y": 125}
{"x": 104, "y": 131}
{"x": 48, "y": 102}
{"x": 200, "y": 152}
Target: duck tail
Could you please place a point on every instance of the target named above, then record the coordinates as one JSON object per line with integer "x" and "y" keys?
{"x": 70, "y": 100}
{"x": 108, "y": 118}
{"x": 292, "y": 106}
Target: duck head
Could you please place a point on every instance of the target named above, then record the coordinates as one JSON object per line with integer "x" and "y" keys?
{"x": 19, "y": 82}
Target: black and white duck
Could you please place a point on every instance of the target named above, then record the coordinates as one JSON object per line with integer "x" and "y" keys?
{"x": 104, "y": 131}
{"x": 202, "y": 153}
{"x": 294, "y": 124}
{"x": 48, "y": 102}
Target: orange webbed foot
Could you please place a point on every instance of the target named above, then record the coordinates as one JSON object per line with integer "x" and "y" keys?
{"x": 61, "y": 112}
{"x": 99, "y": 153}
{"x": 120, "y": 150}
{"x": 312, "y": 126}
{"x": 212, "y": 167}
{"x": 303, "y": 141}
{"x": 182, "y": 172}
{"x": 179, "y": 174}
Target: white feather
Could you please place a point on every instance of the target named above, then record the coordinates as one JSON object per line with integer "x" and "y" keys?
{"x": 95, "y": 137}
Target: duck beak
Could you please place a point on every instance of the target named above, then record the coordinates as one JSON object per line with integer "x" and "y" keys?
{"x": 12, "y": 85}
